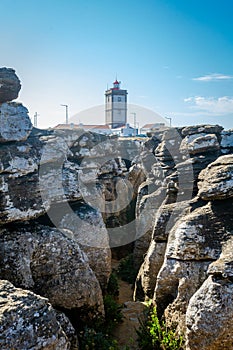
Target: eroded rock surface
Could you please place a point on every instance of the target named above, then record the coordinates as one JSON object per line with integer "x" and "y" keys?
{"x": 9, "y": 85}
{"x": 15, "y": 124}
{"x": 216, "y": 181}
{"x": 188, "y": 259}
{"x": 27, "y": 321}
{"x": 48, "y": 262}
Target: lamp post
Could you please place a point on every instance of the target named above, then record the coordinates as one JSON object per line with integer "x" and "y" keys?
{"x": 134, "y": 122}
{"x": 66, "y": 112}
{"x": 35, "y": 119}
{"x": 170, "y": 121}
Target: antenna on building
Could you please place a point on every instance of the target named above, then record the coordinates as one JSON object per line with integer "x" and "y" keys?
{"x": 35, "y": 120}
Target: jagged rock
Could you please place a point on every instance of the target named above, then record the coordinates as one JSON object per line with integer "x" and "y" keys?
{"x": 149, "y": 205}
{"x": 199, "y": 143}
{"x": 27, "y": 321}
{"x": 15, "y": 124}
{"x": 227, "y": 141}
{"x": 68, "y": 329}
{"x": 209, "y": 316}
{"x": 210, "y": 310}
{"x": 216, "y": 181}
{"x": 188, "y": 172}
{"x": 195, "y": 241}
{"x": 37, "y": 166}
{"x": 9, "y": 85}
{"x": 89, "y": 231}
{"x": 165, "y": 219}
{"x": 51, "y": 264}
{"x": 199, "y": 129}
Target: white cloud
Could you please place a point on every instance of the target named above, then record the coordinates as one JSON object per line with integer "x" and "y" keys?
{"x": 218, "y": 106}
{"x": 213, "y": 77}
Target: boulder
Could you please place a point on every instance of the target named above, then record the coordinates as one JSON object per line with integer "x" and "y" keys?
{"x": 195, "y": 241}
{"x": 165, "y": 219}
{"x": 48, "y": 262}
{"x": 216, "y": 181}
{"x": 209, "y": 316}
{"x": 199, "y": 143}
{"x": 89, "y": 231}
{"x": 27, "y": 321}
{"x": 9, "y": 85}
{"x": 148, "y": 208}
{"x": 227, "y": 141}
{"x": 15, "y": 124}
{"x": 198, "y": 129}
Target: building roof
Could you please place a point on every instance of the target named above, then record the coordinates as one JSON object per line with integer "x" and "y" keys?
{"x": 150, "y": 126}
{"x": 81, "y": 126}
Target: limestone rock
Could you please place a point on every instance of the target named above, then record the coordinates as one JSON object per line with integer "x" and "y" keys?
{"x": 199, "y": 143}
{"x": 68, "y": 329}
{"x": 9, "y": 85}
{"x": 216, "y": 181}
{"x": 51, "y": 264}
{"x": 199, "y": 129}
{"x": 27, "y": 321}
{"x": 227, "y": 142}
{"x": 165, "y": 219}
{"x": 89, "y": 231}
{"x": 194, "y": 242}
{"x": 209, "y": 316}
{"x": 15, "y": 124}
{"x": 149, "y": 205}
{"x": 176, "y": 283}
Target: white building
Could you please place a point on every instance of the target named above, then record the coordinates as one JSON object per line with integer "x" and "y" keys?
{"x": 125, "y": 131}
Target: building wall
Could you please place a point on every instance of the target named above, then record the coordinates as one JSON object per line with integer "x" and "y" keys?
{"x": 115, "y": 107}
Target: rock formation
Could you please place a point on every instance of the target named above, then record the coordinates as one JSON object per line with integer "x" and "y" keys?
{"x": 67, "y": 196}
{"x": 187, "y": 269}
{"x": 9, "y": 85}
{"x": 15, "y": 124}
{"x": 27, "y": 321}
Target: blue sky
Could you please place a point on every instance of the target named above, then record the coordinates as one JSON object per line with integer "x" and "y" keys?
{"x": 174, "y": 57}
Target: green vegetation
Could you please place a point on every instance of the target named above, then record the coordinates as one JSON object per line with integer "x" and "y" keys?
{"x": 126, "y": 270}
{"x": 113, "y": 286}
{"x": 98, "y": 336}
{"x": 153, "y": 334}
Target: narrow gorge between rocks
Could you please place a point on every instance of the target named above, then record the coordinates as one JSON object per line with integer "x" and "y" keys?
{"x": 73, "y": 204}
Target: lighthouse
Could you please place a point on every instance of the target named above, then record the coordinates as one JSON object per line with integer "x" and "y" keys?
{"x": 116, "y": 106}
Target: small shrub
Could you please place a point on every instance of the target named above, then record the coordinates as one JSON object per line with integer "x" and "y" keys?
{"x": 126, "y": 270}
{"x": 113, "y": 286}
{"x": 98, "y": 335}
{"x": 113, "y": 314}
{"x": 90, "y": 339}
{"x": 154, "y": 334}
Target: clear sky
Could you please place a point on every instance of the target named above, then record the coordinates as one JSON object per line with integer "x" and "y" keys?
{"x": 173, "y": 56}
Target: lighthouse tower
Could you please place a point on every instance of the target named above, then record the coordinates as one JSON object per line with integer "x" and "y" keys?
{"x": 116, "y": 106}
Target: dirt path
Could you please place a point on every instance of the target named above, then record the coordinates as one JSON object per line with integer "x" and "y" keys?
{"x": 125, "y": 332}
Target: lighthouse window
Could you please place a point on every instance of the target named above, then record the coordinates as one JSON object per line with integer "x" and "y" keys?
{"x": 119, "y": 99}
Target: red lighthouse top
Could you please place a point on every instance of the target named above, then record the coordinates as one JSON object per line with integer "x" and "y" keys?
{"x": 116, "y": 85}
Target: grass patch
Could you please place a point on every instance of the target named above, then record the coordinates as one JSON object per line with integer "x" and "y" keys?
{"x": 153, "y": 334}
{"x": 126, "y": 270}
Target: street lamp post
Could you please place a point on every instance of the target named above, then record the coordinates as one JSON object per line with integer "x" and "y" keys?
{"x": 134, "y": 119}
{"x": 66, "y": 112}
{"x": 170, "y": 121}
